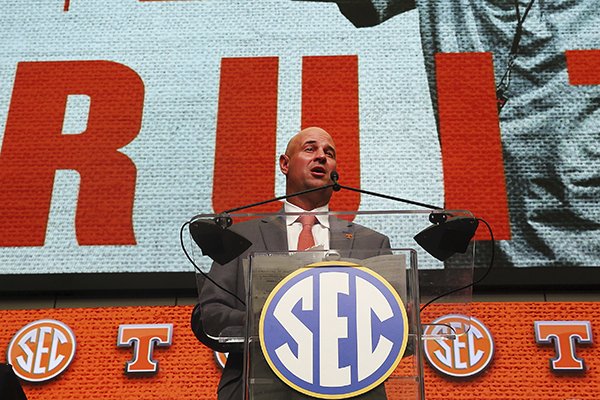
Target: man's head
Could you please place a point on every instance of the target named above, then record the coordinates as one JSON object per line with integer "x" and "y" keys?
{"x": 307, "y": 163}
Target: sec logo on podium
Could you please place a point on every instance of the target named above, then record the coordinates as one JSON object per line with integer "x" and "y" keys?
{"x": 333, "y": 330}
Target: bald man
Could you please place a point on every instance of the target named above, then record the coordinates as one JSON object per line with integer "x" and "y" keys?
{"x": 308, "y": 162}
{"x": 309, "y": 159}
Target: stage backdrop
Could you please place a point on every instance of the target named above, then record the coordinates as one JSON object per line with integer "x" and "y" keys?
{"x": 520, "y": 368}
{"x": 121, "y": 119}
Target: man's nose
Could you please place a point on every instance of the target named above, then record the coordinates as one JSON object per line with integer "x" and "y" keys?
{"x": 320, "y": 155}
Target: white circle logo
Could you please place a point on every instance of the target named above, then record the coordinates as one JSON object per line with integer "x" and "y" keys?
{"x": 41, "y": 350}
{"x": 333, "y": 330}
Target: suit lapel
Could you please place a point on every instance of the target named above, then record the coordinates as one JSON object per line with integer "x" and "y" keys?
{"x": 274, "y": 234}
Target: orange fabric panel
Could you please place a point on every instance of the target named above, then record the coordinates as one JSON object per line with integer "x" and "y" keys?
{"x": 520, "y": 368}
{"x": 186, "y": 368}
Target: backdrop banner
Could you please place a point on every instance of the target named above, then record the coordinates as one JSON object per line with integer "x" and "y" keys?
{"x": 105, "y": 365}
{"x": 121, "y": 119}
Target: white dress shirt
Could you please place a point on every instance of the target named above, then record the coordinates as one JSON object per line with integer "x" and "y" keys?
{"x": 320, "y": 230}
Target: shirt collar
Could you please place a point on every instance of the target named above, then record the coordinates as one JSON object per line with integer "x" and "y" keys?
{"x": 290, "y": 219}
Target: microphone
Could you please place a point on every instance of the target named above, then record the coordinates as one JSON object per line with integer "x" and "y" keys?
{"x": 334, "y": 178}
{"x": 441, "y": 240}
{"x": 225, "y": 221}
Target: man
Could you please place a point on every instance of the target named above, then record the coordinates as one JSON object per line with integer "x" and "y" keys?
{"x": 308, "y": 161}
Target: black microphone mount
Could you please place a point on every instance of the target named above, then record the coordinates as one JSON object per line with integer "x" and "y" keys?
{"x": 434, "y": 217}
{"x": 441, "y": 240}
{"x": 225, "y": 221}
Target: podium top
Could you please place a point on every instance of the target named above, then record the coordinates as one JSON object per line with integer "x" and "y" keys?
{"x": 339, "y": 213}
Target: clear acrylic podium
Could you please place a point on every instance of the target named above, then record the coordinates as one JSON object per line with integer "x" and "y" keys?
{"x": 268, "y": 267}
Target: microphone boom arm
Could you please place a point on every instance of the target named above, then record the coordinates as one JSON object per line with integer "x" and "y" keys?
{"x": 385, "y": 196}
{"x": 287, "y": 196}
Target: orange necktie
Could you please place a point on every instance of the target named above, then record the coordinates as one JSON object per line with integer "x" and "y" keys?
{"x": 306, "y": 239}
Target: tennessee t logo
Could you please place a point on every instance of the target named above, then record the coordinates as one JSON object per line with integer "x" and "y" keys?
{"x": 144, "y": 338}
{"x": 565, "y": 335}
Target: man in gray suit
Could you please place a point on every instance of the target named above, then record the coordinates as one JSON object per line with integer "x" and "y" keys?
{"x": 309, "y": 159}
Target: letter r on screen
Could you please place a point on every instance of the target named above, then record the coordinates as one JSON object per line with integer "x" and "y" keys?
{"x": 34, "y": 148}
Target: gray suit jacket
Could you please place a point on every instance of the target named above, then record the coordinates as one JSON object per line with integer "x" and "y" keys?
{"x": 218, "y": 310}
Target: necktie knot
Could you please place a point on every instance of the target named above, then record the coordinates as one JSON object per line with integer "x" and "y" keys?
{"x": 307, "y": 220}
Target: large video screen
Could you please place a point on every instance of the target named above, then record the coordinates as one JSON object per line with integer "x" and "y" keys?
{"x": 121, "y": 119}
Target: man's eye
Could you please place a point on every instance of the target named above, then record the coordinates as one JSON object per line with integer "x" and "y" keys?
{"x": 309, "y": 149}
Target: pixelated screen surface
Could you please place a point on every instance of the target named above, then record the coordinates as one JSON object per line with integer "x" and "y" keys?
{"x": 119, "y": 120}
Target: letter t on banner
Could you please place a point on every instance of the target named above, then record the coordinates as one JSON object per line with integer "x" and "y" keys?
{"x": 565, "y": 335}
{"x": 144, "y": 338}
{"x": 583, "y": 67}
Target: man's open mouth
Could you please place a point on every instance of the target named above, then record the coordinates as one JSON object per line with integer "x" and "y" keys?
{"x": 318, "y": 171}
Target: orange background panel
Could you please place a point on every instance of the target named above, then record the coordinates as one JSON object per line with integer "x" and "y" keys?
{"x": 519, "y": 370}
{"x": 186, "y": 368}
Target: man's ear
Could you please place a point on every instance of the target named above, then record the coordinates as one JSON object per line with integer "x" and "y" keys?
{"x": 284, "y": 163}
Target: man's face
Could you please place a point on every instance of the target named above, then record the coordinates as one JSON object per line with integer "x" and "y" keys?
{"x": 309, "y": 160}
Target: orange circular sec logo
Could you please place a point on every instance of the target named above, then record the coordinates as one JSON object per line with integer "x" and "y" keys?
{"x": 41, "y": 350}
{"x": 467, "y": 355}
